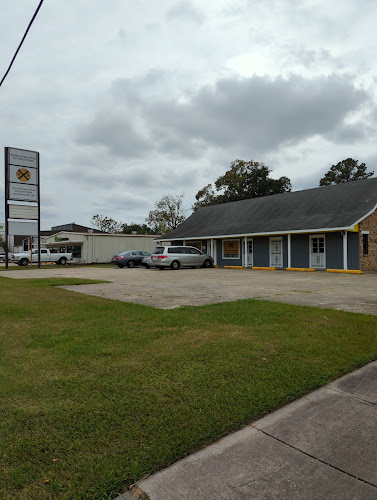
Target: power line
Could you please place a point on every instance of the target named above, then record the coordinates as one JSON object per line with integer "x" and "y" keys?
{"x": 22, "y": 41}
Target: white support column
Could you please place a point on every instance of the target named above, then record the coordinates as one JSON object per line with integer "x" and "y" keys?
{"x": 245, "y": 251}
{"x": 345, "y": 251}
{"x": 215, "y": 253}
{"x": 289, "y": 251}
{"x": 211, "y": 248}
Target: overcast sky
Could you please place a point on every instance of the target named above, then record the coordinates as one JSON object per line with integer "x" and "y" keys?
{"x": 128, "y": 101}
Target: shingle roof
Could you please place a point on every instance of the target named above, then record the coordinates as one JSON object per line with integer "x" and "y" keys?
{"x": 329, "y": 207}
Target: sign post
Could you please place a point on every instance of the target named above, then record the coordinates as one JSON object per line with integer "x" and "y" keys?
{"x": 22, "y": 192}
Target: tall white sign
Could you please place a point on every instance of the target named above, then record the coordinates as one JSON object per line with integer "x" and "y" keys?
{"x": 22, "y": 185}
{"x": 23, "y": 175}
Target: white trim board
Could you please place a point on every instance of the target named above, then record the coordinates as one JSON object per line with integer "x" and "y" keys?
{"x": 273, "y": 233}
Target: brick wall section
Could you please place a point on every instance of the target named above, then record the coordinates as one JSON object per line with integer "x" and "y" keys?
{"x": 369, "y": 262}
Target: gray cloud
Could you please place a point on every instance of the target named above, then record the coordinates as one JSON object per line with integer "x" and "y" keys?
{"x": 118, "y": 132}
{"x": 263, "y": 111}
{"x": 185, "y": 11}
{"x": 259, "y": 111}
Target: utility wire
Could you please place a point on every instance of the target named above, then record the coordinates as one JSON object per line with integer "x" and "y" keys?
{"x": 22, "y": 41}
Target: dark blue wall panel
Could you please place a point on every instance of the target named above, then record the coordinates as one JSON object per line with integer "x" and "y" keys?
{"x": 262, "y": 251}
{"x": 300, "y": 250}
{"x": 353, "y": 250}
{"x": 334, "y": 250}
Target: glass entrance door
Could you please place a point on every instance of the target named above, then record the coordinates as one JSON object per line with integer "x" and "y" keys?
{"x": 276, "y": 252}
{"x": 317, "y": 251}
{"x": 250, "y": 260}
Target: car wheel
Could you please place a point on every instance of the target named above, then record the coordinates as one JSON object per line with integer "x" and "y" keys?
{"x": 174, "y": 265}
{"x": 131, "y": 264}
{"x": 121, "y": 266}
{"x": 24, "y": 262}
{"x": 207, "y": 264}
{"x": 62, "y": 261}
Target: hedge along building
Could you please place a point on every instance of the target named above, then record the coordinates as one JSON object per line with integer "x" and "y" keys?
{"x": 332, "y": 227}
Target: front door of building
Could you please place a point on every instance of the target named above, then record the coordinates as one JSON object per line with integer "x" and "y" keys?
{"x": 250, "y": 260}
{"x": 317, "y": 251}
{"x": 276, "y": 252}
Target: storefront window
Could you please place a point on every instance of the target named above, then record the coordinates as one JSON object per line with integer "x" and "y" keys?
{"x": 231, "y": 249}
{"x": 196, "y": 244}
{"x": 75, "y": 250}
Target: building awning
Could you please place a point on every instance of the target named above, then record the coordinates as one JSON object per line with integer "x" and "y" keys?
{"x": 64, "y": 243}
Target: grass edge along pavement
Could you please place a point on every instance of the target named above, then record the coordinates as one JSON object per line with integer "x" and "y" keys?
{"x": 96, "y": 394}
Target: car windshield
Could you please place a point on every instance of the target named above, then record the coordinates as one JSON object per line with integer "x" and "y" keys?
{"x": 158, "y": 250}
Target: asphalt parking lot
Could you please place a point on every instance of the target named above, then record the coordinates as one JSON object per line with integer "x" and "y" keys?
{"x": 170, "y": 289}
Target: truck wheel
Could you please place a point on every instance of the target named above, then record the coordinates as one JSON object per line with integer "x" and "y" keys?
{"x": 24, "y": 262}
{"x": 62, "y": 261}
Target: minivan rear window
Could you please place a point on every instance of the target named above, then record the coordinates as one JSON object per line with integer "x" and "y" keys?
{"x": 175, "y": 250}
{"x": 158, "y": 250}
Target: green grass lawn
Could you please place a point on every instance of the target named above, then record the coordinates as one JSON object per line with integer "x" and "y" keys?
{"x": 95, "y": 394}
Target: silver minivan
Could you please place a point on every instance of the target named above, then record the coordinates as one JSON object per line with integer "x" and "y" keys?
{"x": 179, "y": 256}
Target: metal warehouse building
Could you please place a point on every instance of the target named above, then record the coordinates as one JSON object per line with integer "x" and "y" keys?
{"x": 89, "y": 248}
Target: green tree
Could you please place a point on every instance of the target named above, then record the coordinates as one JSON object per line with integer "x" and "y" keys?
{"x": 137, "y": 228}
{"x": 3, "y": 245}
{"x": 168, "y": 213}
{"x": 106, "y": 224}
{"x": 245, "y": 179}
{"x": 206, "y": 196}
{"x": 345, "y": 171}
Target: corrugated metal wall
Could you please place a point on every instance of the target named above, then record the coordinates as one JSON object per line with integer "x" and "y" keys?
{"x": 101, "y": 247}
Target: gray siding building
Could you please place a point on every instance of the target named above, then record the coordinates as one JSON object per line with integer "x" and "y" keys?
{"x": 326, "y": 228}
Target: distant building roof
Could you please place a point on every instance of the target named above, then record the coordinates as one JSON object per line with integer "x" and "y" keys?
{"x": 331, "y": 207}
{"x": 77, "y": 228}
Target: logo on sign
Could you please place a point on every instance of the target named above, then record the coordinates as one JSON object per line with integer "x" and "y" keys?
{"x": 23, "y": 174}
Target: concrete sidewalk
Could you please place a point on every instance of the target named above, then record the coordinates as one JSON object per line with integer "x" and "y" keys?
{"x": 323, "y": 446}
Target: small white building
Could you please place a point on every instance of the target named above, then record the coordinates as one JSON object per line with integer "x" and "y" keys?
{"x": 89, "y": 248}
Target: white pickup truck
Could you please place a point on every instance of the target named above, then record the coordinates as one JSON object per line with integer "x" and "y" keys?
{"x": 24, "y": 258}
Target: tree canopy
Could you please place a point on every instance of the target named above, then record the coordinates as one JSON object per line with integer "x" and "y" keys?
{"x": 110, "y": 225}
{"x": 106, "y": 224}
{"x": 3, "y": 244}
{"x": 245, "y": 179}
{"x": 345, "y": 171}
{"x": 137, "y": 228}
{"x": 168, "y": 213}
